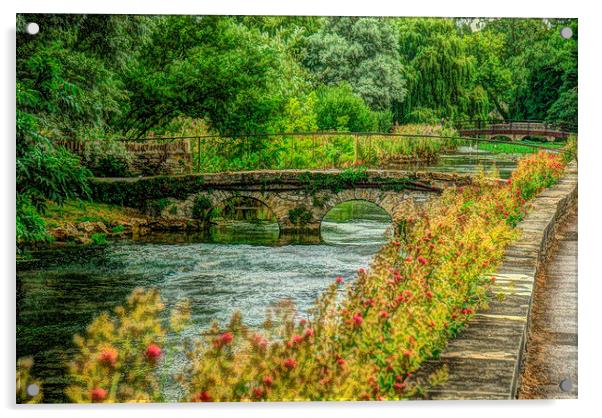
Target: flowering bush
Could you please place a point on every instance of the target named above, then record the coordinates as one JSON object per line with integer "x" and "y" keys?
{"x": 421, "y": 289}
{"x": 118, "y": 356}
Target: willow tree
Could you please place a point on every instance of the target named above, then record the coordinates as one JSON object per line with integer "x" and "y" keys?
{"x": 361, "y": 52}
{"x": 440, "y": 72}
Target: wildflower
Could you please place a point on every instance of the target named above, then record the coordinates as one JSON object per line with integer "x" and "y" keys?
{"x": 98, "y": 394}
{"x": 361, "y": 270}
{"x": 202, "y": 397}
{"x": 268, "y": 380}
{"x": 108, "y": 356}
{"x": 153, "y": 352}
{"x": 429, "y": 294}
{"x": 339, "y": 280}
{"x": 399, "y": 386}
{"x": 396, "y": 243}
{"x": 408, "y": 259}
{"x": 297, "y": 339}
{"x": 258, "y": 392}
{"x": 226, "y": 338}
{"x": 422, "y": 260}
{"x": 302, "y": 322}
{"x": 408, "y": 353}
{"x": 357, "y": 320}
{"x": 309, "y": 332}
{"x": 290, "y": 363}
{"x": 492, "y": 279}
{"x": 383, "y": 314}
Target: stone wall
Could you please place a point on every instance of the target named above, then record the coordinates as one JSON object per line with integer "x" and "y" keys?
{"x": 484, "y": 361}
{"x": 152, "y": 157}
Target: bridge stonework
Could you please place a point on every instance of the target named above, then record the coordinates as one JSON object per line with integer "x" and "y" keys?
{"x": 299, "y": 199}
{"x": 284, "y": 204}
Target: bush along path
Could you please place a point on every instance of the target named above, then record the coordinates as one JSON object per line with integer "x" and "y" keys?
{"x": 362, "y": 340}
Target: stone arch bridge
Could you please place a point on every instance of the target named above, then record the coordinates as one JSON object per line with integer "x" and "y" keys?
{"x": 299, "y": 199}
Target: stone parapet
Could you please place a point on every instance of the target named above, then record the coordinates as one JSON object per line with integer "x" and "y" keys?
{"x": 484, "y": 361}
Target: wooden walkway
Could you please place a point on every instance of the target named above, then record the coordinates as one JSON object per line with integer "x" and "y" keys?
{"x": 552, "y": 344}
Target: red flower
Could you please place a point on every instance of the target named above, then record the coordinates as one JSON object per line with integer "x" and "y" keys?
{"x": 422, "y": 260}
{"x": 98, "y": 394}
{"x": 309, "y": 332}
{"x": 268, "y": 380}
{"x": 357, "y": 320}
{"x": 361, "y": 270}
{"x": 108, "y": 356}
{"x": 339, "y": 280}
{"x": 202, "y": 397}
{"x": 153, "y": 352}
{"x": 383, "y": 314}
{"x": 258, "y": 392}
{"x": 396, "y": 243}
{"x": 407, "y": 353}
{"x": 302, "y": 322}
{"x": 429, "y": 294}
{"x": 290, "y": 363}
{"x": 492, "y": 279}
{"x": 297, "y": 339}
{"x": 226, "y": 338}
{"x": 341, "y": 362}
{"x": 399, "y": 386}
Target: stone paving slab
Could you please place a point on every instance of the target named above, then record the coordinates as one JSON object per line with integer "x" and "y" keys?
{"x": 484, "y": 361}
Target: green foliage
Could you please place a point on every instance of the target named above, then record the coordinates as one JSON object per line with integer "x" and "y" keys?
{"x": 338, "y": 108}
{"x": 299, "y": 215}
{"x": 117, "y": 229}
{"x": 439, "y": 72}
{"x": 362, "y": 52}
{"x": 98, "y": 238}
{"x": 107, "y": 158}
{"x": 201, "y": 207}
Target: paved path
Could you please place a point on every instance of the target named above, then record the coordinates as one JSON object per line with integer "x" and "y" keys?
{"x": 552, "y": 345}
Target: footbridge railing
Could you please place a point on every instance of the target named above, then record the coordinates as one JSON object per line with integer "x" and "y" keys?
{"x": 515, "y": 129}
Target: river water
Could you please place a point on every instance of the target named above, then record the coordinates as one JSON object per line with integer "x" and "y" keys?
{"x": 239, "y": 266}
{"x": 219, "y": 274}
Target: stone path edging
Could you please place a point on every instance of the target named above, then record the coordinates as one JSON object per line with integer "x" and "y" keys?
{"x": 484, "y": 361}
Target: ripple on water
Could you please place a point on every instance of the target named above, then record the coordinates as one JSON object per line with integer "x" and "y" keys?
{"x": 58, "y": 300}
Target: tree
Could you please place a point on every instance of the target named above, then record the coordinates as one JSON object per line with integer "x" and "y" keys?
{"x": 233, "y": 77}
{"x": 440, "y": 72}
{"x": 362, "y": 52}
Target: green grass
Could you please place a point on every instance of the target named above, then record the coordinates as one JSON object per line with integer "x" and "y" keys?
{"x": 517, "y": 148}
{"x": 77, "y": 211}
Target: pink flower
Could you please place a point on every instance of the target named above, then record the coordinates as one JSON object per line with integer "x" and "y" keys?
{"x": 361, "y": 270}
{"x": 258, "y": 392}
{"x": 357, "y": 320}
{"x": 341, "y": 362}
{"x": 268, "y": 380}
{"x": 339, "y": 280}
{"x": 98, "y": 394}
{"x": 383, "y": 314}
{"x": 226, "y": 338}
{"x": 297, "y": 339}
{"x": 422, "y": 260}
{"x": 290, "y": 363}
{"x": 153, "y": 352}
{"x": 309, "y": 332}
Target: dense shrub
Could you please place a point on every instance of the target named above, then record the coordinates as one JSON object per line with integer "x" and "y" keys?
{"x": 338, "y": 108}
{"x": 107, "y": 158}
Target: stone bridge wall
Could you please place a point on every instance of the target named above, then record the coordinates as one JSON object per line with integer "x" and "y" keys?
{"x": 299, "y": 199}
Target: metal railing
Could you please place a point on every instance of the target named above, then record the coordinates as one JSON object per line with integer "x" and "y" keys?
{"x": 319, "y": 150}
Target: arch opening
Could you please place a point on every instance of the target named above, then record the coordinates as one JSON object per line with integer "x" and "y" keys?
{"x": 355, "y": 222}
{"x": 243, "y": 220}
